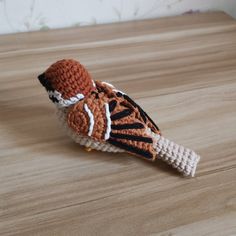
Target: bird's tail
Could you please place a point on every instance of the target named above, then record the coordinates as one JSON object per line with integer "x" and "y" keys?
{"x": 177, "y": 156}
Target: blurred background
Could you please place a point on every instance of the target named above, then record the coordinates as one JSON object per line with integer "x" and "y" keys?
{"x": 31, "y": 15}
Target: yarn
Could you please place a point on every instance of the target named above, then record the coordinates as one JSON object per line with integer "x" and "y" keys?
{"x": 69, "y": 78}
{"x": 98, "y": 116}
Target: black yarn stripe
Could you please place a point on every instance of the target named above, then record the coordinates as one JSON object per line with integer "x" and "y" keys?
{"x": 131, "y": 149}
{"x": 142, "y": 115}
{"x": 45, "y": 82}
{"x": 127, "y": 98}
{"x": 128, "y": 126}
{"x": 131, "y": 137}
{"x": 96, "y": 94}
{"x": 53, "y": 99}
{"x": 131, "y": 101}
{"x": 112, "y": 105}
{"x": 142, "y": 112}
{"x": 124, "y": 103}
{"x": 119, "y": 94}
{"x": 150, "y": 119}
{"x": 121, "y": 114}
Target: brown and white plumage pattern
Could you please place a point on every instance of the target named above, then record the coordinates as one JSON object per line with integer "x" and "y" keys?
{"x": 97, "y": 115}
{"x": 106, "y": 115}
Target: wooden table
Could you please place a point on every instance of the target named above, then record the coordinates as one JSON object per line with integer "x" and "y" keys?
{"x": 182, "y": 70}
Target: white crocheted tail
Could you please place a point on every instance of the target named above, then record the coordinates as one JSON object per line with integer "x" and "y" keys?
{"x": 179, "y": 157}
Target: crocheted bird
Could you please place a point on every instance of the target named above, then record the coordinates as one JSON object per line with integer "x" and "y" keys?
{"x": 98, "y": 116}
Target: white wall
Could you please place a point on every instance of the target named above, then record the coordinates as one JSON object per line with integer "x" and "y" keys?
{"x": 29, "y": 15}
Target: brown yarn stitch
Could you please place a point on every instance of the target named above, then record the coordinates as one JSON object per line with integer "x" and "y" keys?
{"x": 97, "y": 108}
{"x": 78, "y": 119}
{"x": 69, "y": 78}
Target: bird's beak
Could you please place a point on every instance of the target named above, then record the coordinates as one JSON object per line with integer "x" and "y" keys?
{"x": 45, "y": 82}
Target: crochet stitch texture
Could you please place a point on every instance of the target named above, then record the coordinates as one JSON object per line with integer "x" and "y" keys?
{"x": 98, "y": 116}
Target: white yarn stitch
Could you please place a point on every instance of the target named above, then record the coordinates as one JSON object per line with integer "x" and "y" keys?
{"x": 65, "y": 102}
{"x": 82, "y": 140}
{"x": 108, "y": 130}
{"x": 118, "y": 91}
{"x": 91, "y": 119}
{"x": 94, "y": 85}
{"x": 113, "y": 88}
{"x": 103, "y": 82}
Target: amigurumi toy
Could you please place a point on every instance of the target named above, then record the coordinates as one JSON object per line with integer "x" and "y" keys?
{"x": 100, "y": 117}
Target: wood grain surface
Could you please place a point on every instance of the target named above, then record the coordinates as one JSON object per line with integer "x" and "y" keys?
{"x": 182, "y": 70}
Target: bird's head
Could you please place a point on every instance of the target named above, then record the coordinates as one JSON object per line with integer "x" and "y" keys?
{"x": 67, "y": 82}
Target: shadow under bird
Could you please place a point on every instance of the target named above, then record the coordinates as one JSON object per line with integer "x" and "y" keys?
{"x": 97, "y": 115}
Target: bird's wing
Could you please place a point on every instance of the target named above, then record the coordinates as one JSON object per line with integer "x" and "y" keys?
{"x": 88, "y": 117}
{"x": 106, "y": 117}
{"x": 108, "y": 88}
{"x": 130, "y": 125}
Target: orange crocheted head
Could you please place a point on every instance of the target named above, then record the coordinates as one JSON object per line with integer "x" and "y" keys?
{"x": 69, "y": 78}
